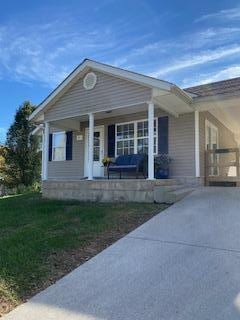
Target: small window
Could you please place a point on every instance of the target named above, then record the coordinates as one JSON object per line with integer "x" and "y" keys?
{"x": 59, "y": 146}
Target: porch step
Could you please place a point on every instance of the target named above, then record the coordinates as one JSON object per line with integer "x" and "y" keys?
{"x": 171, "y": 194}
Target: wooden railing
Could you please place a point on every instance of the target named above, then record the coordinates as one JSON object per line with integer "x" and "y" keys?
{"x": 218, "y": 169}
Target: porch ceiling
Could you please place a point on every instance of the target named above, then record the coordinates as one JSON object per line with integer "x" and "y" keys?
{"x": 171, "y": 104}
{"x": 225, "y": 109}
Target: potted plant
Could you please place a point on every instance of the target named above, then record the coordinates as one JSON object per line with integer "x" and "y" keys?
{"x": 161, "y": 166}
{"x": 106, "y": 161}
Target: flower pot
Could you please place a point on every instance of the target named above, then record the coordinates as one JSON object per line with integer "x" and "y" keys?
{"x": 162, "y": 174}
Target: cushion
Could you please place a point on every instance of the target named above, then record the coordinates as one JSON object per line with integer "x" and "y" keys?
{"x": 130, "y": 159}
{"x": 122, "y": 167}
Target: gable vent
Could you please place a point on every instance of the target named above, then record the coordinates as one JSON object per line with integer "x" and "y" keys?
{"x": 89, "y": 81}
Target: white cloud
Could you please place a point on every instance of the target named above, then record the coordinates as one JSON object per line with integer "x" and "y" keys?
{"x": 194, "y": 60}
{"x": 225, "y": 73}
{"x": 228, "y": 14}
{"x": 165, "y": 51}
{"x": 47, "y": 53}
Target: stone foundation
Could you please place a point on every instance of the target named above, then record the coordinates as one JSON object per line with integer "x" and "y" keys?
{"x": 125, "y": 190}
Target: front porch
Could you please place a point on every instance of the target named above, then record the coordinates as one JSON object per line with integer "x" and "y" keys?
{"x": 142, "y": 128}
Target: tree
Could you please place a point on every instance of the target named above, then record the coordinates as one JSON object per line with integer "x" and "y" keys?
{"x": 2, "y": 162}
{"x": 22, "y": 157}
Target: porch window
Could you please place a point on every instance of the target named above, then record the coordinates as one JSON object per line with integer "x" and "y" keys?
{"x": 59, "y": 146}
{"x": 142, "y": 136}
{"x": 133, "y": 137}
{"x": 125, "y": 139}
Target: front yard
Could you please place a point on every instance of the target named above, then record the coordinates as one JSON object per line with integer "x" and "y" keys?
{"x": 42, "y": 240}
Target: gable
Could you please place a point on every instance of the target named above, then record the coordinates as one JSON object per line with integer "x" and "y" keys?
{"x": 109, "y": 92}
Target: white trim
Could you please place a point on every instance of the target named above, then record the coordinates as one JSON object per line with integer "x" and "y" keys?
{"x": 100, "y": 128}
{"x": 37, "y": 130}
{"x": 45, "y": 150}
{"x": 151, "y": 141}
{"x": 43, "y": 143}
{"x": 90, "y": 146}
{"x": 129, "y": 75}
{"x": 54, "y": 134}
{"x": 135, "y": 137}
{"x": 197, "y": 144}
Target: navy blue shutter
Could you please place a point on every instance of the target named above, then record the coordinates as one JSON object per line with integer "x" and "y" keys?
{"x": 163, "y": 135}
{"x": 111, "y": 140}
{"x": 69, "y": 141}
{"x": 50, "y": 147}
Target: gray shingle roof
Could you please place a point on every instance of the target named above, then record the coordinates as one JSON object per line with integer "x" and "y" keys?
{"x": 230, "y": 86}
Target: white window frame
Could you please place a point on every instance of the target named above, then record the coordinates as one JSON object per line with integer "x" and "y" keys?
{"x": 54, "y": 134}
{"x": 135, "y": 137}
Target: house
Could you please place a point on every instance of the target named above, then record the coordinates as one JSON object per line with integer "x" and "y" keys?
{"x": 100, "y": 110}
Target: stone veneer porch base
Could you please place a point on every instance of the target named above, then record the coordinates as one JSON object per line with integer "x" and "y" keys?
{"x": 124, "y": 190}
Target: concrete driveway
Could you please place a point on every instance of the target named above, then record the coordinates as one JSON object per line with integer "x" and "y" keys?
{"x": 182, "y": 264}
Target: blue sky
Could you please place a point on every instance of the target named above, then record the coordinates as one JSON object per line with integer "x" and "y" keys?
{"x": 185, "y": 42}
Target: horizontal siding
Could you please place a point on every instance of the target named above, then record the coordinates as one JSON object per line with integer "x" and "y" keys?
{"x": 226, "y": 137}
{"x": 181, "y": 139}
{"x": 181, "y": 146}
{"x": 109, "y": 92}
{"x": 71, "y": 169}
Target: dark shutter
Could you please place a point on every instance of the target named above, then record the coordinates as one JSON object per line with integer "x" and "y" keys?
{"x": 69, "y": 141}
{"x": 111, "y": 140}
{"x": 50, "y": 147}
{"x": 163, "y": 135}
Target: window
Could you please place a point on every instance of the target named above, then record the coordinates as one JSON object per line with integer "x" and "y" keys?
{"x": 125, "y": 139}
{"x": 142, "y": 136}
{"x": 133, "y": 137}
{"x": 59, "y": 146}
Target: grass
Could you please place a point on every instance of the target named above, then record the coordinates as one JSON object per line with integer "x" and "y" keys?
{"x": 41, "y": 240}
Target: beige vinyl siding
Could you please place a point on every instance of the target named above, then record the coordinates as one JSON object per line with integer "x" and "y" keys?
{"x": 181, "y": 146}
{"x": 69, "y": 169}
{"x": 181, "y": 139}
{"x": 109, "y": 93}
{"x": 226, "y": 137}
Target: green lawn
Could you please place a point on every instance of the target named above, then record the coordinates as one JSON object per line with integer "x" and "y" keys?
{"x": 41, "y": 240}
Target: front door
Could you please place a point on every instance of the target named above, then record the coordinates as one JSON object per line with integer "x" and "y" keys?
{"x": 98, "y": 152}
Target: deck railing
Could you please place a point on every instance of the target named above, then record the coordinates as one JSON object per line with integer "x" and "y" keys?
{"x": 222, "y": 165}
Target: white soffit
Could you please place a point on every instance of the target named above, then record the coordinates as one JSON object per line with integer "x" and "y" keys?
{"x": 230, "y": 117}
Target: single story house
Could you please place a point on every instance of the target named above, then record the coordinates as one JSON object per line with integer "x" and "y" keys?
{"x": 101, "y": 110}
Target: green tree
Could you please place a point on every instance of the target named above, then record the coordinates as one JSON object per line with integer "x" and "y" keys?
{"x": 22, "y": 156}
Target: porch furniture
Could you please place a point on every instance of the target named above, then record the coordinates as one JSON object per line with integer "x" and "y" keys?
{"x": 127, "y": 163}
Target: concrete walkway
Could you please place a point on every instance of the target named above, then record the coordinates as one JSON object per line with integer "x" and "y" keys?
{"x": 183, "y": 264}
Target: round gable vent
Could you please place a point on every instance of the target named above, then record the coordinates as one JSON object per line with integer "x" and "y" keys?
{"x": 90, "y": 81}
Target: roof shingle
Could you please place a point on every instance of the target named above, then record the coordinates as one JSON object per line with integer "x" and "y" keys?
{"x": 216, "y": 88}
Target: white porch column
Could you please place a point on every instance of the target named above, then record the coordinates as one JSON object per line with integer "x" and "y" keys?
{"x": 45, "y": 152}
{"x": 150, "y": 141}
{"x": 90, "y": 146}
{"x": 197, "y": 147}
{"x": 43, "y": 146}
